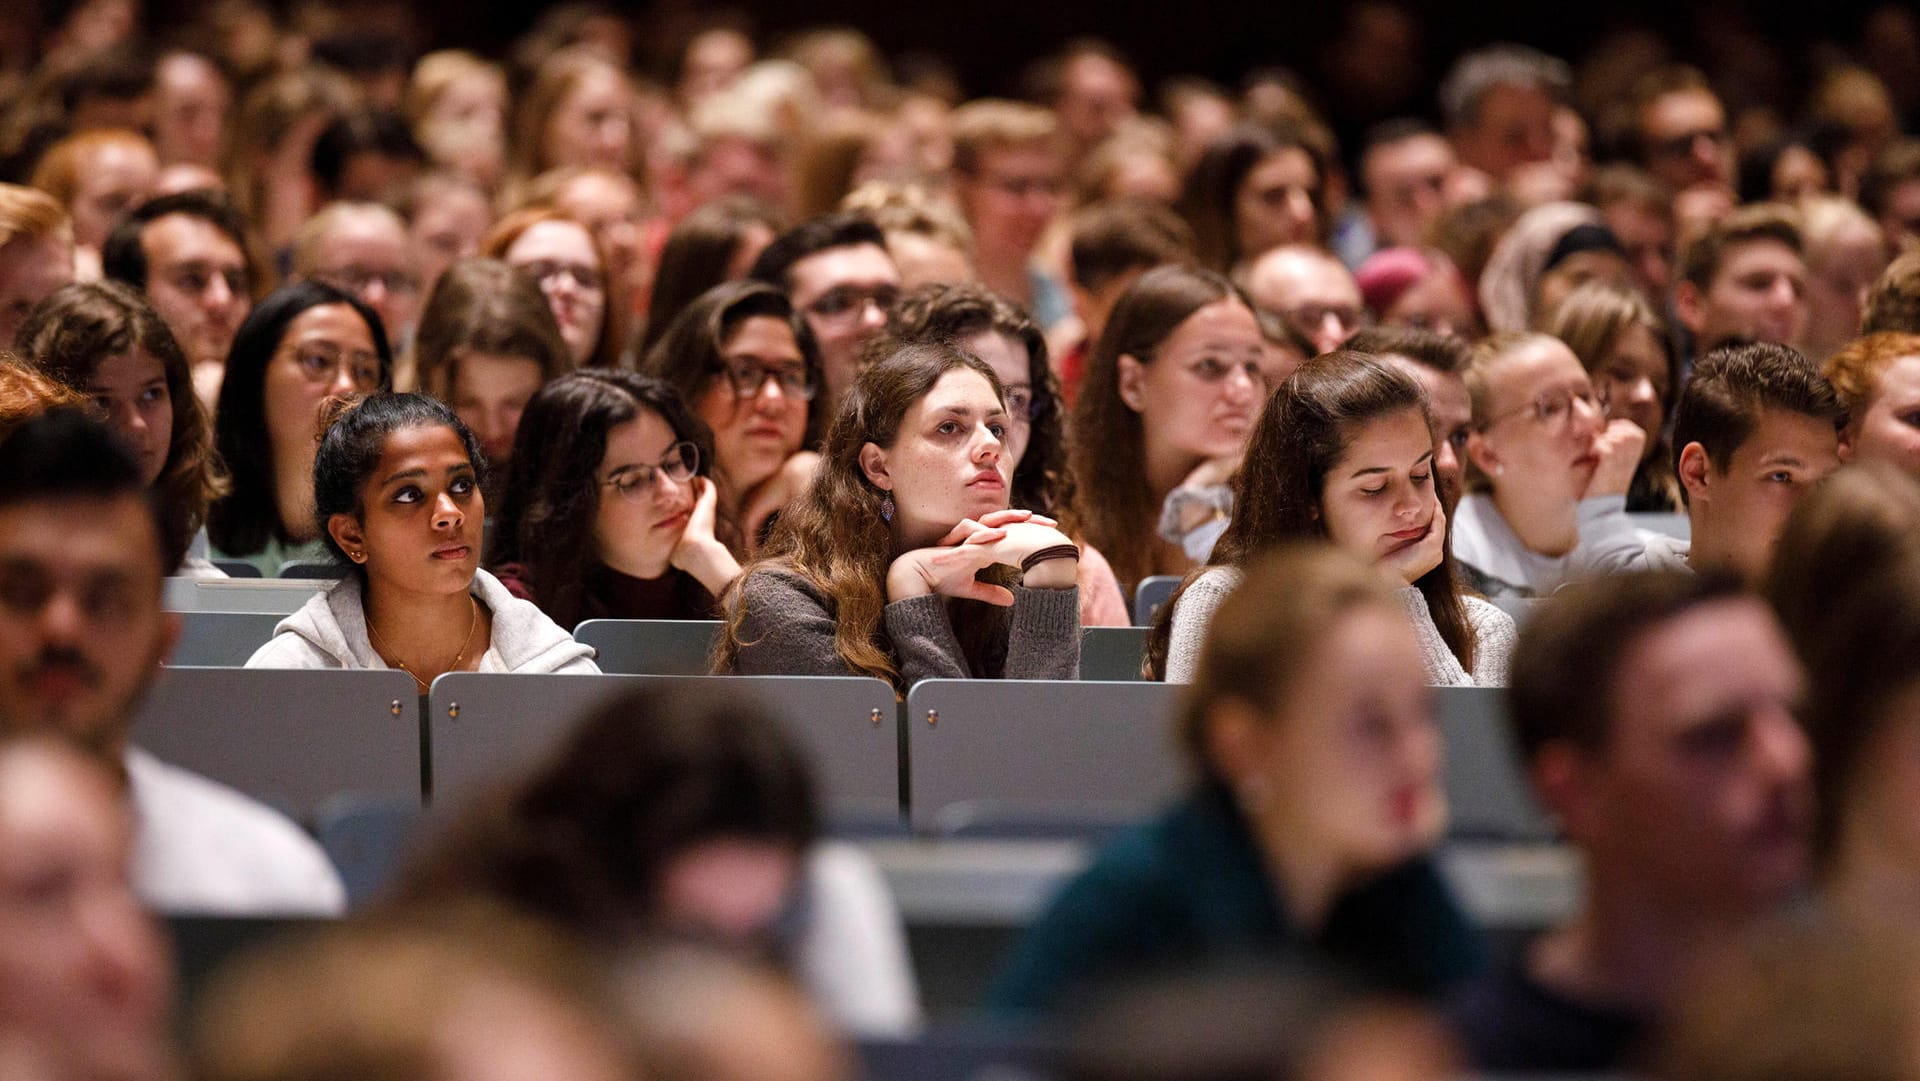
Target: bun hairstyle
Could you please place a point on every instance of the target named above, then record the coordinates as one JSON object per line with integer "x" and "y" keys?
{"x": 355, "y": 437}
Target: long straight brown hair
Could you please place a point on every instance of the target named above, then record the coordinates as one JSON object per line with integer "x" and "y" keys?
{"x": 1106, "y": 450}
{"x": 834, "y": 535}
{"x": 1279, "y": 492}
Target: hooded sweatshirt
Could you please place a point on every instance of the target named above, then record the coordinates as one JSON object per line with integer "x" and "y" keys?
{"x": 330, "y": 631}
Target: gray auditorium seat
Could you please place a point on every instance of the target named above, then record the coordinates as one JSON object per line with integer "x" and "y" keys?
{"x": 289, "y": 738}
{"x": 1112, "y": 653}
{"x": 1488, "y": 795}
{"x": 650, "y": 647}
{"x": 483, "y": 725}
{"x": 1149, "y": 595}
{"x": 222, "y": 639}
{"x": 990, "y": 756}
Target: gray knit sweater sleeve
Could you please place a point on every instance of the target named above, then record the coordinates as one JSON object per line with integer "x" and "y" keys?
{"x": 1493, "y": 637}
{"x": 788, "y": 627}
{"x": 1191, "y": 617}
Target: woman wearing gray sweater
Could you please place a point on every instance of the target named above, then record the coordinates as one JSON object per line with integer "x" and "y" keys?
{"x": 903, "y": 560}
{"x": 1344, "y": 452}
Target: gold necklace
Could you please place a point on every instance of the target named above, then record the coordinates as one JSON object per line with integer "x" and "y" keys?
{"x": 388, "y": 655}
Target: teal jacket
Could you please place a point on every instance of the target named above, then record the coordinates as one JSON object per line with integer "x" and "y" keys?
{"x": 1189, "y": 891}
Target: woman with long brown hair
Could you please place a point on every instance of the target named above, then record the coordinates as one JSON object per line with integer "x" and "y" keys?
{"x": 1344, "y": 452}
{"x": 1170, "y": 394}
{"x": 873, "y": 570}
{"x": 104, "y": 340}
{"x": 1624, "y": 345}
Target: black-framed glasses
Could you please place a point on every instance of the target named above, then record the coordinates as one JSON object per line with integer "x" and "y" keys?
{"x": 681, "y": 462}
{"x": 845, "y": 301}
{"x": 749, "y": 376}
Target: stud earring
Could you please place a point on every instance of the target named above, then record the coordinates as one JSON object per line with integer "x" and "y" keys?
{"x": 357, "y": 557}
{"x": 886, "y": 508}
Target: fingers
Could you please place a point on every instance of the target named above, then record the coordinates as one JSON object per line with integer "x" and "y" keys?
{"x": 983, "y": 591}
{"x": 1005, "y": 517}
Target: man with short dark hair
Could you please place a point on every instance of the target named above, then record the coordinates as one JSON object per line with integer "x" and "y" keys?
{"x": 1756, "y": 427}
{"x": 1655, "y": 713}
{"x": 82, "y": 636}
{"x": 1745, "y": 280}
{"x": 1680, "y": 128}
{"x": 837, "y": 271}
{"x": 1112, "y": 244}
{"x": 1436, "y": 362}
{"x": 188, "y": 253}
{"x": 1890, "y": 191}
{"x": 1498, "y": 103}
{"x": 1404, "y": 168}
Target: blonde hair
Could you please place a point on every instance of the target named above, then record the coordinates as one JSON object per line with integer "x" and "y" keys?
{"x": 437, "y": 72}
{"x": 989, "y": 124}
{"x": 30, "y": 214}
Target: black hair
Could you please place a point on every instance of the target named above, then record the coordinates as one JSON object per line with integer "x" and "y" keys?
{"x": 351, "y": 448}
{"x": 66, "y": 454}
{"x": 845, "y": 229}
{"x": 367, "y": 131}
{"x": 123, "y": 258}
{"x": 249, "y": 517}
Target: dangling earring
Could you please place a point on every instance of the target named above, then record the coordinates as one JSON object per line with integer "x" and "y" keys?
{"x": 886, "y": 508}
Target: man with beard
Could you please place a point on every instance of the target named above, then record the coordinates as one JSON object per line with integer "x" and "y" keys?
{"x": 82, "y": 635}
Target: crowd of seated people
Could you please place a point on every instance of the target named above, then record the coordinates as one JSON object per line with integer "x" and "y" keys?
{"x": 1584, "y": 389}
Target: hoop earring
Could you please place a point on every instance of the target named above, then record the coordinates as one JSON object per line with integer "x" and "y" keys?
{"x": 886, "y": 508}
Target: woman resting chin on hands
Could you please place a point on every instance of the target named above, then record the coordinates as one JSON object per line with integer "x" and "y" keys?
{"x": 904, "y": 561}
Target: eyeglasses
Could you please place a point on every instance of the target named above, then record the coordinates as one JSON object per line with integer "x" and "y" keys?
{"x": 355, "y": 280}
{"x": 748, "y": 377}
{"x": 636, "y": 481}
{"x": 1308, "y": 318}
{"x": 1023, "y": 406}
{"x": 1681, "y": 146}
{"x": 547, "y": 272}
{"x": 1553, "y": 410}
{"x": 844, "y": 301}
{"x": 323, "y": 360}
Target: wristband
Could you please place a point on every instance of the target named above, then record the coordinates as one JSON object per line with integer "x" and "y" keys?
{"x": 1058, "y": 551}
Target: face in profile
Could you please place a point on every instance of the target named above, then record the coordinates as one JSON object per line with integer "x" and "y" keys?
{"x": 1379, "y": 500}
{"x": 84, "y": 974}
{"x": 1888, "y": 428}
{"x": 420, "y": 515}
{"x": 646, "y": 485}
{"x": 948, "y": 460}
{"x": 1202, "y": 390}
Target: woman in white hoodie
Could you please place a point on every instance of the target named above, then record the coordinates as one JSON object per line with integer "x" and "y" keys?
{"x": 397, "y": 494}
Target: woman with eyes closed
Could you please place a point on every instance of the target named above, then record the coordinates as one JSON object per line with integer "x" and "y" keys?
{"x": 304, "y": 345}
{"x": 609, "y": 510}
{"x": 561, "y": 255}
{"x": 877, "y": 569}
{"x": 1548, "y": 477}
{"x": 1344, "y": 452}
{"x": 103, "y": 339}
{"x": 1171, "y": 392}
{"x": 1013, "y": 345}
{"x": 397, "y": 497}
{"x": 742, "y": 359}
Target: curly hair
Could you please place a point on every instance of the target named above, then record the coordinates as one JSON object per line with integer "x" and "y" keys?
{"x": 834, "y": 536}
{"x": 954, "y": 313}
{"x": 72, "y": 331}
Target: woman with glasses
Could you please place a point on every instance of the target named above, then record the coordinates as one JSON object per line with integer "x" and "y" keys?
{"x": 1012, "y": 344}
{"x": 1626, "y": 349}
{"x": 305, "y": 345}
{"x": 1548, "y": 476}
{"x": 609, "y": 509}
{"x": 561, "y": 254}
{"x": 397, "y": 502}
{"x": 1170, "y": 395}
{"x": 745, "y": 363}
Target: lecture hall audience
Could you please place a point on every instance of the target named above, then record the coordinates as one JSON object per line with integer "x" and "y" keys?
{"x": 873, "y": 368}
